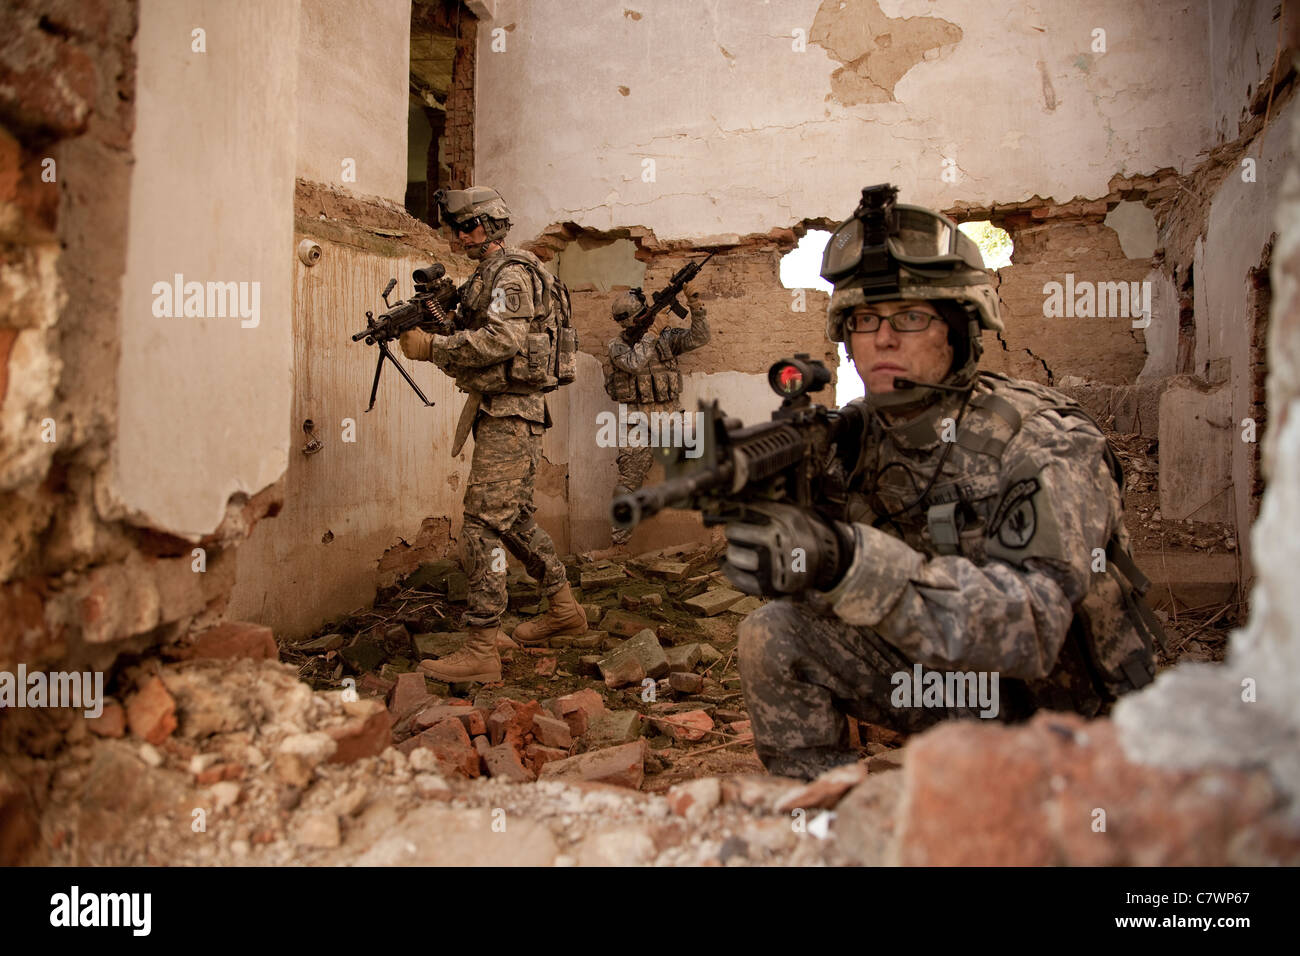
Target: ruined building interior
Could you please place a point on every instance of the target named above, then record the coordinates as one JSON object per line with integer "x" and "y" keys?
{"x": 201, "y": 509}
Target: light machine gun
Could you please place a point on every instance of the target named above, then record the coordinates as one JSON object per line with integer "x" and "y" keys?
{"x": 785, "y": 460}
{"x": 432, "y": 307}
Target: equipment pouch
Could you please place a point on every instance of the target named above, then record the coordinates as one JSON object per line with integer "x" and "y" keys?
{"x": 532, "y": 367}
{"x": 566, "y": 364}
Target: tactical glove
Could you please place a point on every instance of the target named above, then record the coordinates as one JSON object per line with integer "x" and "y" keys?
{"x": 779, "y": 549}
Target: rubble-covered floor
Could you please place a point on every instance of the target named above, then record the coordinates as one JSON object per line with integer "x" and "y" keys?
{"x": 627, "y": 745}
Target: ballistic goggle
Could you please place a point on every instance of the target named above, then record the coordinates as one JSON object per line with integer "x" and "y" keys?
{"x": 880, "y": 230}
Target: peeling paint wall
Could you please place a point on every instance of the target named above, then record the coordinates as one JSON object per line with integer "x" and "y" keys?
{"x": 349, "y": 503}
{"x": 746, "y": 133}
{"x": 351, "y": 98}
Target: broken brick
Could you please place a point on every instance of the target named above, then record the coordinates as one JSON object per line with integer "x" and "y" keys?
{"x": 684, "y": 682}
{"x": 601, "y": 577}
{"x": 690, "y": 725}
{"x": 683, "y": 657}
{"x": 621, "y": 766}
{"x": 236, "y": 639}
{"x": 363, "y": 735}
{"x": 551, "y": 731}
{"x": 503, "y": 763}
{"x": 578, "y": 708}
{"x": 409, "y": 693}
{"x": 826, "y": 790}
{"x": 714, "y": 602}
{"x": 625, "y": 624}
{"x": 612, "y": 728}
{"x": 539, "y": 756}
{"x": 619, "y": 670}
{"x": 450, "y": 744}
{"x": 437, "y": 713}
{"x": 151, "y": 713}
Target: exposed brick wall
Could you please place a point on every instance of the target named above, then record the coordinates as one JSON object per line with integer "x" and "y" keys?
{"x": 460, "y": 106}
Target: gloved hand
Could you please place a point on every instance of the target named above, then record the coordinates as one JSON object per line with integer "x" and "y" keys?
{"x": 779, "y": 549}
{"x": 418, "y": 344}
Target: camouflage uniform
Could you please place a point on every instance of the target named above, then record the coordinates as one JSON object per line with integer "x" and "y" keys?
{"x": 1041, "y": 497}
{"x": 646, "y": 378}
{"x": 985, "y": 526}
{"x": 508, "y": 432}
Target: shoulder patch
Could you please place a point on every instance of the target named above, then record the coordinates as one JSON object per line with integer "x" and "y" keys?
{"x": 1016, "y": 519}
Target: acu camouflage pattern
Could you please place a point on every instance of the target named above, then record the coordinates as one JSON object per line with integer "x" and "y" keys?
{"x": 499, "y": 512}
{"x": 648, "y": 371}
{"x": 649, "y": 368}
{"x": 508, "y": 430}
{"x": 1006, "y": 586}
{"x": 478, "y": 355}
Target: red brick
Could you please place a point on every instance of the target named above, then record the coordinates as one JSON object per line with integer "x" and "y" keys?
{"x": 510, "y": 721}
{"x": 111, "y": 723}
{"x": 450, "y": 744}
{"x": 409, "y": 692}
{"x": 437, "y": 713}
{"x": 151, "y": 713}
{"x": 364, "y": 736}
{"x": 236, "y": 639}
{"x": 503, "y": 763}
{"x": 539, "y": 756}
{"x": 993, "y": 795}
{"x": 551, "y": 731}
{"x": 692, "y": 725}
{"x": 578, "y": 708}
{"x": 622, "y": 766}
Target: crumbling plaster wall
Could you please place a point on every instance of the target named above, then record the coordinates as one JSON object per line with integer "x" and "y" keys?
{"x": 352, "y": 94}
{"x": 1244, "y": 713}
{"x": 747, "y": 134}
{"x": 354, "y": 510}
{"x": 203, "y": 416}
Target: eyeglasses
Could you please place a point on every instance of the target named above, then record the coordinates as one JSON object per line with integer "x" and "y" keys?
{"x": 909, "y": 321}
{"x": 469, "y": 225}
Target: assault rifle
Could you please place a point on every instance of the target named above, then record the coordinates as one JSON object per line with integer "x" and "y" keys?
{"x": 785, "y": 460}
{"x": 435, "y": 299}
{"x": 665, "y": 298}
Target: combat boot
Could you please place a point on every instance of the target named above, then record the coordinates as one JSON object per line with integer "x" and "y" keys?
{"x": 565, "y": 616}
{"x": 476, "y": 660}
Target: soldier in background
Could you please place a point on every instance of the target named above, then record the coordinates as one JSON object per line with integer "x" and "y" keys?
{"x": 508, "y": 297}
{"x": 644, "y": 376}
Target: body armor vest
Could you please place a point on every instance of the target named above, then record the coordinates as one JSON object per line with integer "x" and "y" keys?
{"x": 954, "y": 490}
{"x": 661, "y": 381}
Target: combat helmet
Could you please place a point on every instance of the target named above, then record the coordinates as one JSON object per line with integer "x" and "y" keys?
{"x": 627, "y": 304}
{"x": 468, "y": 207}
{"x": 890, "y": 251}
